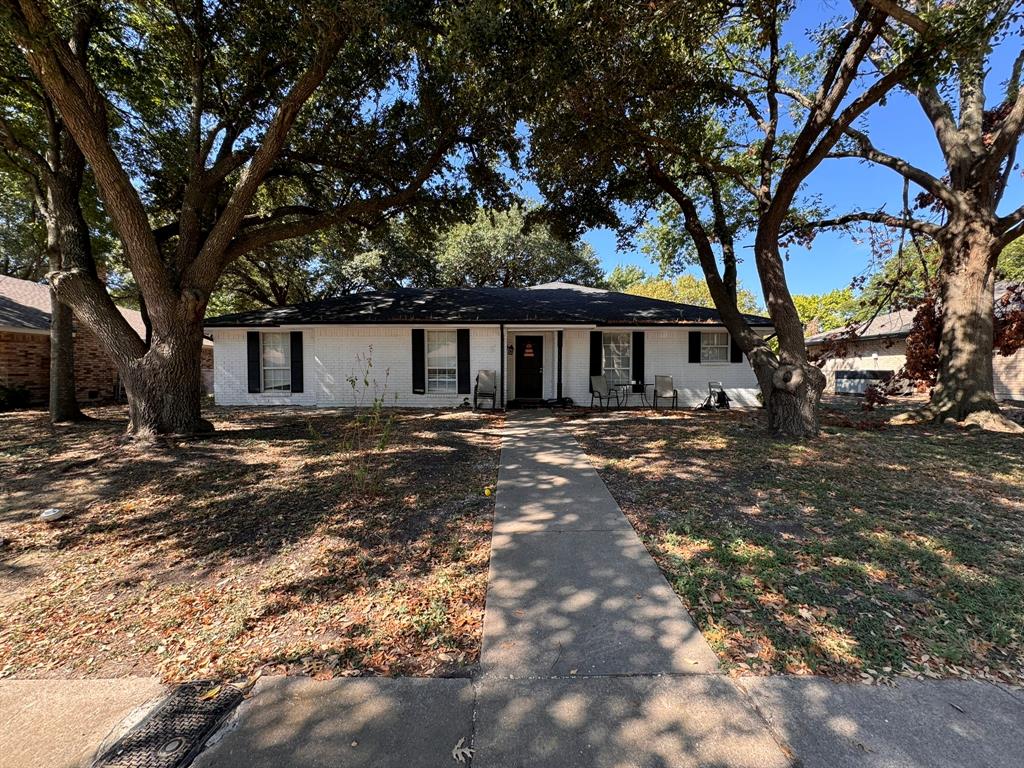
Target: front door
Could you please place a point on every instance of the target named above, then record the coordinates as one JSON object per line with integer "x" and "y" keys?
{"x": 529, "y": 367}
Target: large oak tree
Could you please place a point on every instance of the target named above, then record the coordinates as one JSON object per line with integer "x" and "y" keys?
{"x": 684, "y": 102}
{"x": 215, "y": 128}
{"x": 977, "y": 134}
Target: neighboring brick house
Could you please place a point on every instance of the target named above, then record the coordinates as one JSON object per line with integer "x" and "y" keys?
{"x": 25, "y": 347}
{"x": 880, "y": 350}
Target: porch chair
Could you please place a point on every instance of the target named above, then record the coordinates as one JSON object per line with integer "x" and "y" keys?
{"x": 486, "y": 388}
{"x": 665, "y": 389}
{"x": 599, "y": 388}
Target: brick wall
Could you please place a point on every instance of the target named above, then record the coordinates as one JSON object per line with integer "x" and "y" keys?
{"x": 890, "y": 355}
{"x": 25, "y": 361}
{"x": 1009, "y": 375}
{"x": 332, "y": 355}
{"x": 335, "y": 367}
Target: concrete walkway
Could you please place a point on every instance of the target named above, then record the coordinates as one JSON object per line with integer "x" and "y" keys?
{"x": 589, "y": 658}
{"x": 589, "y": 661}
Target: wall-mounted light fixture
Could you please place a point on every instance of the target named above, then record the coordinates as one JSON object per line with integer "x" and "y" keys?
{"x": 511, "y": 349}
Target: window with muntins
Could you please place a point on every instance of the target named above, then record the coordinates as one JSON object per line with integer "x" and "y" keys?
{"x": 442, "y": 361}
{"x": 714, "y": 347}
{"x": 617, "y": 347}
{"x": 277, "y": 363}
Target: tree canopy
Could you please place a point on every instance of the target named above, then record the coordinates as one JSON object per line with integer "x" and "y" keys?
{"x": 685, "y": 288}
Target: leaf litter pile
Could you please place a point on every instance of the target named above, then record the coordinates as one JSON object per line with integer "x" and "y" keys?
{"x": 321, "y": 543}
{"x": 869, "y": 553}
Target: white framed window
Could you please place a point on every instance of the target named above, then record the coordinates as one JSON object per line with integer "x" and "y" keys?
{"x": 276, "y": 362}
{"x": 617, "y": 359}
{"x": 442, "y": 361}
{"x": 714, "y": 347}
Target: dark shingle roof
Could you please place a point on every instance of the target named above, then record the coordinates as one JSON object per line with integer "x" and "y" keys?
{"x": 555, "y": 303}
{"x": 24, "y": 304}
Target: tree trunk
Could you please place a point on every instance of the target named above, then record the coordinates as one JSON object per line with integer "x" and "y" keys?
{"x": 791, "y": 394}
{"x": 164, "y": 386}
{"x": 63, "y": 399}
{"x": 964, "y": 383}
{"x": 790, "y": 386}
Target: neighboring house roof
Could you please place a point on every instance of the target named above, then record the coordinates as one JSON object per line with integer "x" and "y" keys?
{"x": 883, "y": 326}
{"x": 26, "y": 305}
{"x": 897, "y": 324}
{"x": 554, "y": 303}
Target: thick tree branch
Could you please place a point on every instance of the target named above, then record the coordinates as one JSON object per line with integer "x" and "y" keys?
{"x": 877, "y": 217}
{"x": 207, "y": 266}
{"x": 252, "y": 237}
{"x": 1011, "y": 226}
{"x": 83, "y": 110}
{"x": 903, "y": 16}
{"x": 725, "y": 300}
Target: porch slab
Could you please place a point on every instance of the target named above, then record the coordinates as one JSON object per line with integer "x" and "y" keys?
{"x": 350, "y": 723}
{"x": 916, "y": 724}
{"x": 64, "y": 723}
{"x": 620, "y": 722}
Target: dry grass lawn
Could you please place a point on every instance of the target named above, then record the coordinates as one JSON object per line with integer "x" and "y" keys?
{"x": 872, "y": 552}
{"x": 313, "y": 542}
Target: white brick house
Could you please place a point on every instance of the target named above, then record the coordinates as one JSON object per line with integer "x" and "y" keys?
{"x": 424, "y": 348}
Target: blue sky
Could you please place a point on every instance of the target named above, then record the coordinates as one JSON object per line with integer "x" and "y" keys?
{"x": 898, "y": 127}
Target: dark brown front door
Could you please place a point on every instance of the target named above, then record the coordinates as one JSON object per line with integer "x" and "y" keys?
{"x": 529, "y": 370}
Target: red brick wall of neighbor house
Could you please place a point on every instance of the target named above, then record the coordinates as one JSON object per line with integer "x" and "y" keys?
{"x": 25, "y": 361}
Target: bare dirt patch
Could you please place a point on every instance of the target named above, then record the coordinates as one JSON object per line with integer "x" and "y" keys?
{"x": 317, "y": 542}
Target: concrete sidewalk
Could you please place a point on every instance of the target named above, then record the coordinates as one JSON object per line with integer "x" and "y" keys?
{"x": 571, "y": 588}
{"x": 65, "y": 723}
{"x": 589, "y": 661}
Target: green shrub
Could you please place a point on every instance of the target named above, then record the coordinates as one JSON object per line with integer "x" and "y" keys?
{"x": 13, "y": 398}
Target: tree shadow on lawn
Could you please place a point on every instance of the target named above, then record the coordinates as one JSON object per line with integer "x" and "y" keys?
{"x": 896, "y": 550}
{"x": 287, "y": 509}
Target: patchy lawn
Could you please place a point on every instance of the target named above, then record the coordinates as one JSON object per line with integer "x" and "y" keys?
{"x": 311, "y": 542}
{"x": 869, "y": 553}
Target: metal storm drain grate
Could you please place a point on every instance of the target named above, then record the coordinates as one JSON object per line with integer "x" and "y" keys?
{"x": 176, "y": 730}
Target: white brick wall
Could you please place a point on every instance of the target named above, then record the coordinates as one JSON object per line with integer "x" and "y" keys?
{"x": 666, "y": 353}
{"x": 231, "y": 372}
{"x": 334, "y": 354}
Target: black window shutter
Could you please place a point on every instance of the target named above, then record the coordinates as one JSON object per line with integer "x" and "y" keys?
{"x": 419, "y": 361}
{"x": 694, "y": 346}
{"x": 638, "y": 361}
{"x": 462, "y": 370}
{"x": 252, "y": 345}
{"x": 596, "y": 354}
{"x": 735, "y": 353}
{"x": 297, "y": 377}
